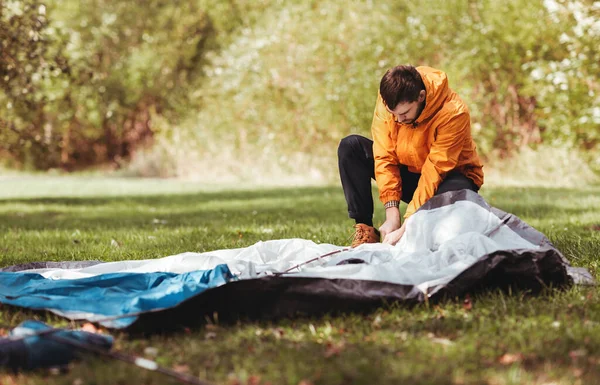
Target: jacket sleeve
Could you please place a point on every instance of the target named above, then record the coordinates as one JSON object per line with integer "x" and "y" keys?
{"x": 387, "y": 173}
{"x": 443, "y": 157}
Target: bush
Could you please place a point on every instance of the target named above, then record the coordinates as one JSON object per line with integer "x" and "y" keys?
{"x": 272, "y": 83}
{"x": 81, "y": 80}
{"x": 307, "y": 74}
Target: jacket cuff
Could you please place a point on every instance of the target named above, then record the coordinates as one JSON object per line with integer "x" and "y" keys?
{"x": 389, "y": 196}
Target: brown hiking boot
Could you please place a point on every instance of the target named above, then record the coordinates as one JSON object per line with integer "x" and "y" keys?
{"x": 364, "y": 234}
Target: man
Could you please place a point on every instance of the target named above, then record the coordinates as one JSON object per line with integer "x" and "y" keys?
{"x": 421, "y": 147}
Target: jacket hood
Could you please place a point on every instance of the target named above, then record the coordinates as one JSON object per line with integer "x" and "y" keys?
{"x": 436, "y": 88}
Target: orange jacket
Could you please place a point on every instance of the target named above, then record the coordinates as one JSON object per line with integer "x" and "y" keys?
{"x": 440, "y": 141}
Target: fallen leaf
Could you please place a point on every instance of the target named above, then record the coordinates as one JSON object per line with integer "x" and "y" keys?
{"x": 54, "y": 371}
{"x": 151, "y": 351}
{"x": 441, "y": 313}
{"x": 210, "y": 335}
{"x": 377, "y": 321}
{"x": 334, "y": 349}
{"x": 253, "y": 380}
{"x": 594, "y": 360}
{"x": 114, "y": 243}
{"x": 7, "y": 380}
{"x": 181, "y": 368}
{"x": 90, "y": 328}
{"x": 508, "y": 358}
{"x": 278, "y": 333}
{"x": 467, "y": 304}
{"x": 575, "y": 354}
{"x": 305, "y": 382}
{"x": 442, "y": 341}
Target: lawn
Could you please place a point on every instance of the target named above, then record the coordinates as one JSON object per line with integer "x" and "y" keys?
{"x": 513, "y": 338}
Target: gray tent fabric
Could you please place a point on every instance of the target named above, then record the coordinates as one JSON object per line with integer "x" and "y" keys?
{"x": 454, "y": 244}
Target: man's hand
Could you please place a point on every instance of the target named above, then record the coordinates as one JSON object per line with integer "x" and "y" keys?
{"x": 392, "y": 221}
{"x": 393, "y": 237}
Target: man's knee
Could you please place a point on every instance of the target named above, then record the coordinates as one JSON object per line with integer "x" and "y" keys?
{"x": 456, "y": 181}
{"x": 348, "y": 145}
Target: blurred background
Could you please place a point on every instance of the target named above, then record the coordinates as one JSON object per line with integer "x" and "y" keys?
{"x": 230, "y": 90}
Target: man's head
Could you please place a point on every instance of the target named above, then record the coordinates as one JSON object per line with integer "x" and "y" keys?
{"x": 403, "y": 93}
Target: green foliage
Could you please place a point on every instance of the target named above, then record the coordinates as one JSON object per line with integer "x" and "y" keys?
{"x": 272, "y": 81}
{"x": 82, "y": 80}
{"x": 27, "y": 57}
{"x": 307, "y": 74}
{"x": 569, "y": 87}
{"x": 530, "y": 73}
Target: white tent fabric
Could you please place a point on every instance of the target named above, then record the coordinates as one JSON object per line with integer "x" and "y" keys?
{"x": 438, "y": 245}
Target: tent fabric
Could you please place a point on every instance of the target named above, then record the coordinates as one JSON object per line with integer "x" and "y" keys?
{"x": 34, "y": 344}
{"x": 454, "y": 244}
{"x": 107, "y": 295}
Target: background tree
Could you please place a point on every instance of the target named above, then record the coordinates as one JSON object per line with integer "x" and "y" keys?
{"x": 271, "y": 82}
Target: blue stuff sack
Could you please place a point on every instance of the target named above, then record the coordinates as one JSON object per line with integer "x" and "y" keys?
{"x": 29, "y": 347}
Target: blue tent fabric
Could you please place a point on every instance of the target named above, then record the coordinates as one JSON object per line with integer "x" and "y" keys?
{"x": 108, "y": 295}
{"x": 29, "y": 347}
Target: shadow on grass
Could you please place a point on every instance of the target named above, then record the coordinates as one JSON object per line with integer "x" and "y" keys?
{"x": 540, "y": 200}
{"x": 213, "y": 209}
{"x": 325, "y": 205}
{"x": 186, "y": 198}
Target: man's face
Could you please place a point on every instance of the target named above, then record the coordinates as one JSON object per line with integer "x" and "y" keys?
{"x": 408, "y": 112}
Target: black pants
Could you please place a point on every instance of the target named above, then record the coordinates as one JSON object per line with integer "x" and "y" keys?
{"x": 357, "y": 168}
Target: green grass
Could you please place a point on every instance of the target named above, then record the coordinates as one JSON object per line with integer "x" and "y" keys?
{"x": 553, "y": 338}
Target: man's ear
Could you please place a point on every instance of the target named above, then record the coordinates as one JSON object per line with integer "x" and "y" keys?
{"x": 421, "y": 96}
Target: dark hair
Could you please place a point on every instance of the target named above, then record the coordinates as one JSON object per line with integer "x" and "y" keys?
{"x": 401, "y": 84}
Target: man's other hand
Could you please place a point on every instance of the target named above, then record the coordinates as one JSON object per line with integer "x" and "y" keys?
{"x": 392, "y": 221}
{"x": 393, "y": 237}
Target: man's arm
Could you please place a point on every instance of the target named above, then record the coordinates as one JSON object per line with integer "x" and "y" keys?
{"x": 443, "y": 157}
{"x": 393, "y": 222}
{"x": 387, "y": 173}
